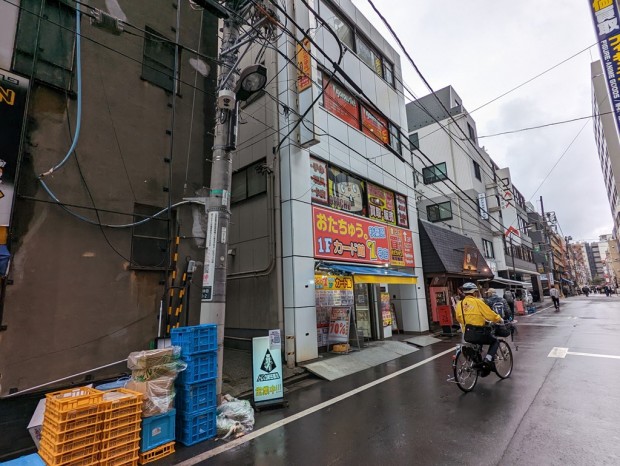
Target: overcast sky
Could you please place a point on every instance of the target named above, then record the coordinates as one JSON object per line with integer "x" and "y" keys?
{"x": 484, "y": 49}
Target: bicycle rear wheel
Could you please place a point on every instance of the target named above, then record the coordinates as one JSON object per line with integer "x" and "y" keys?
{"x": 465, "y": 375}
{"x": 503, "y": 360}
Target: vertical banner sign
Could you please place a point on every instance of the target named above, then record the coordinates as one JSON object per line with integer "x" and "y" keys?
{"x": 381, "y": 204}
{"x": 482, "y": 204}
{"x": 375, "y": 126}
{"x": 266, "y": 371}
{"x": 13, "y": 93}
{"x": 318, "y": 181}
{"x": 402, "y": 214}
{"x": 606, "y": 22}
{"x": 386, "y": 314}
{"x": 209, "y": 267}
{"x": 304, "y": 66}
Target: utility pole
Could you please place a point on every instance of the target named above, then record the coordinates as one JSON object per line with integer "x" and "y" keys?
{"x": 231, "y": 90}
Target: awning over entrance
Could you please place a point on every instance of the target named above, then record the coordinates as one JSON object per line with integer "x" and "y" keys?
{"x": 444, "y": 252}
{"x": 363, "y": 274}
{"x": 506, "y": 281}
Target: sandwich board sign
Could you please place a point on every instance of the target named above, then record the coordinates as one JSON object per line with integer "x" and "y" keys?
{"x": 267, "y": 381}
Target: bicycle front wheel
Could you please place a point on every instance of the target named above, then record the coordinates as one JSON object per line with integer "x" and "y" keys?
{"x": 465, "y": 375}
{"x": 503, "y": 360}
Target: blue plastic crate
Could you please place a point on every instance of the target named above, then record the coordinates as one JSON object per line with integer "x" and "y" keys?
{"x": 158, "y": 430}
{"x": 195, "y": 339}
{"x": 195, "y": 428}
{"x": 200, "y": 368}
{"x": 29, "y": 460}
{"x": 196, "y": 397}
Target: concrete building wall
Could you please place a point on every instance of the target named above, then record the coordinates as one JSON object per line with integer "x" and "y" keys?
{"x": 76, "y": 302}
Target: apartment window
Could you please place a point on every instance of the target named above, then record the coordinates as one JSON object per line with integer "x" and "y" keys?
{"x": 340, "y": 27}
{"x": 149, "y": 240}
{"x": 248, "y": 182}
{"x": 414, "y": 141}
{"x": 487, "y": 249}
{"x": 158, "y": 60}
{"x": 472, "y": 133}
{"x": 477, "y": 170}
{"x": 439, "y": 212}
{"x": 54, "y": 21}
{"x": 369, "y": 56}
{"x": 395, "y": 138}
{"x": 435, "y": 173}
{"x": 388, "y": 72}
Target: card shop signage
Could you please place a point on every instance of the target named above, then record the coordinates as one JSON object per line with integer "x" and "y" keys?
{"x": 381, "y": 204}
{"x": 343, "y": 237}
{"x": 375, "y": 126}
{"x": 266, "y": 370}
{"x": 607, "y": 24}
{"x": 13, "y": 93}
{"x": 318, "y": 181}
{"x": 345, "y": 191}
{"x": 339, "y": 102}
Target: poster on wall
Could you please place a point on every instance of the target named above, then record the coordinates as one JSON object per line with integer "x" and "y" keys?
{"x": 401, "y": 247}
{"x": 470, "y": 259}
{"x": 13, "y": 93}
{"x": 381, "y": 204}
{"x": 386, "y": 314}
{"x": 304, "y": 66}
{"x": 330, "y": 291}
{"x": 339, "y": 102}
{"x": 318, "y": 181}
{"x": 402, "y": 213}
{"x": 343, "y": 237}
{"x": 346, "y": 192}
{"x": 375, "y": 126}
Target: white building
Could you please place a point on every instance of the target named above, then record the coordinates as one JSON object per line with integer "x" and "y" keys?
{"x": 336, "y": 192}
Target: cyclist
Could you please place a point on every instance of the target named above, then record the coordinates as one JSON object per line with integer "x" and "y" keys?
{"x": 474, "y": 311}
{"x": 498, "y": 304}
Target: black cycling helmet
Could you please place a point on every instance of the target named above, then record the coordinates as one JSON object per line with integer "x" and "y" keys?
{"x": 469, "y": 287}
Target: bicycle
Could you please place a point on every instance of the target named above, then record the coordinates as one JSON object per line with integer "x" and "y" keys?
{"x": 467, "y": 360}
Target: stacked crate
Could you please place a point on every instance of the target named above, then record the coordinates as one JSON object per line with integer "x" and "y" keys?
{"x": 120, "y": 427}
{"x": 196, "y": 399}
{"x": 72, "y": 427}
{"x": 85, "y": 426}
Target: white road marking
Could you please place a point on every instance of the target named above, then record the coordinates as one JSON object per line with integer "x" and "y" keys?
{"x": 592, "y": 355}
{"x": 558, "y": 352}
{"x": 264, "y": 430}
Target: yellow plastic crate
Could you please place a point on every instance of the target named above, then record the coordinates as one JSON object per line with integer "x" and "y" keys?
{"x": 157, "y": 453}
{"x": 66, "y": 447}
{"x": 121, "y": 398}
{"x": 128, "y": 459}
{"x": 120, "y": 440}
{"x": 71, "y": 425}
{"x": 72, "y": 399}
{"x": 62, "y": 437}
{"x": 82, "y": 456}
{"x": 120, "y": 431}
{"x": 120, "y": 422}
{"x": 132, "y": 447}
{"x": 85, "y": 411}
{"x": 115, "y": 413}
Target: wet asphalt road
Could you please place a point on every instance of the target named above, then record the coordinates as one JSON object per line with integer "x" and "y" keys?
{"x": 551, "y": 411}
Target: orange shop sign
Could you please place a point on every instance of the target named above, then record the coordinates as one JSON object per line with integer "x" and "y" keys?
{"x": 343, "y": 237}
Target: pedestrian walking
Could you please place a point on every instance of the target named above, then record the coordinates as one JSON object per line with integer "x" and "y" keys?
{"x": 510, "y": 298}
{"x": 555, "y": 297}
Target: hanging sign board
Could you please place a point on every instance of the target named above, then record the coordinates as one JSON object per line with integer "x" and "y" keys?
{"x": 318, "y": 181}
{"x": 266, "y": 371}
{"x": 13, "y": 94}
{"x": 209, "y": 267}
{"x": 381, "y": 204}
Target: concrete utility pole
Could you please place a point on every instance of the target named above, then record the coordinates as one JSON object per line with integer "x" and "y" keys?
{"x": 231, "y": 90}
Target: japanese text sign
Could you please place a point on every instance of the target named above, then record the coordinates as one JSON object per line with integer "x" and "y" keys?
{"x": 339, "y": 236}
{"x": 606, "y": 22}
{"x": 304, "y": 64}
{"x": 381, "y": 204}
{"x": 402, "y": 215}
{"x": 339, "y": 324}
{"x": 338, "y": 101}
{"x": 266, "y": 370}
{"x": 375, "y": 126}
{"x": 318, "y": 181}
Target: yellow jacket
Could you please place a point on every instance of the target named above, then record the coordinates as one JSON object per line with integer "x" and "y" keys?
{"x": 476, "y": 312}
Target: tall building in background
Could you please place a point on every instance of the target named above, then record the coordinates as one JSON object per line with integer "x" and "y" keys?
{"x": 607, "y": 141}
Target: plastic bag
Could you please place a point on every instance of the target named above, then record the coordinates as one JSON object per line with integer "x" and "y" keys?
{"x": 158, "y": 395}
{"x": 169, "y": 370}
{"x": 151, "y": 358}
{"x": 234, "y": 417}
